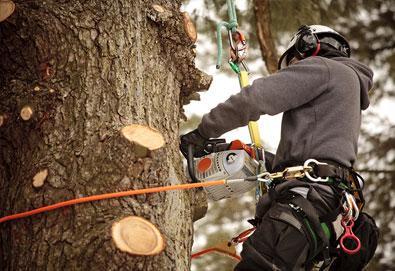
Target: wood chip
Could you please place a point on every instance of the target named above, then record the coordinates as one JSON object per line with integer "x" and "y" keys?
{"x": 6, "y": 9}
{"x": 1, "y": 120}
{"x": 26, "y": 112}
{"x": 137, "y": 236}
{"x": 143, "y": 135}
{"x": 190, "y": 27}
{"x": 39, "y": 178}
{"x": 158, "y": 8}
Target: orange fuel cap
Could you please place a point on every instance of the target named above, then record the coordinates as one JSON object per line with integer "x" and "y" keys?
{"x": 204, "y": 164}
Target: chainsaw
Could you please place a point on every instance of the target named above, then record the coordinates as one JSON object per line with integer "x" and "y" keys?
{"x": 229, "y": 161}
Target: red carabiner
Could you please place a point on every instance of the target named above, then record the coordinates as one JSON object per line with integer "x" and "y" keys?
{"x": 348, "y": 234}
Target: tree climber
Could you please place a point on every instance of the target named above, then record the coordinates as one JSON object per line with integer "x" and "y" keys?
{"x": 321, "y": 92}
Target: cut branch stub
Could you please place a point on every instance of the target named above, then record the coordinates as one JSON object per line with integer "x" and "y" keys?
{"x": 26, "y": 112}
{"x": 190, "y": 27}
{"x": 6, "y": 9}
{"x": 158, "y": 8}
{"x": 39, "y": 178}
{"x": 137, "y": 236}
{"x": 143, "y": 135}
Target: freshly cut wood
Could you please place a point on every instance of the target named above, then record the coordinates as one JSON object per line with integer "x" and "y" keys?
{"x": 143, "y": 135}
{"x": 6, "y": 9}
{"x": 190, "y": 27}
{"x": 1, "y": 120}
{"x": 39, "y": 178}
{"x": 137, "y": 236}
{"x": 158, "y": 8}
{"x": 26, "y": 112}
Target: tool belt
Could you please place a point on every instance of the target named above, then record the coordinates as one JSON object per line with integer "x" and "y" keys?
{"x": 328, "y": 172}
{"x": 343, "y": 178}
{"x": 343, "y": 181}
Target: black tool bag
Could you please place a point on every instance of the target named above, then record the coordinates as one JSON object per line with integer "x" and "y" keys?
{"x": 289, "y": 234}
{"x": 368, "y": 233}
{"x": 281, "y": 242}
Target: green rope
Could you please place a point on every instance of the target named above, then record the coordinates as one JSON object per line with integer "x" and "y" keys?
{"x": 231, "y": 25}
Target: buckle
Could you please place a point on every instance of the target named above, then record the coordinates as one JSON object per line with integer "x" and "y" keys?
{"x": 311, "y": 178}
{"x": 292, "y": 172}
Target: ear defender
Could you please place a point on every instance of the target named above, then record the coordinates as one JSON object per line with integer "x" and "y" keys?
{"x": 307, "y": 43}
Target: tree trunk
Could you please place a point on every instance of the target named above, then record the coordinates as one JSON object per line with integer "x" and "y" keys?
{"x": 265, "y": 36}
{"x": 86, "y": 69}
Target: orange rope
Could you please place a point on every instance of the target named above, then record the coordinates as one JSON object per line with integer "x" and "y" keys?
{"x": 243, "y": 236}
{"x": 197, "y": 254}
{"x": 110, "y": 195}
{"x": 213, "y": 249}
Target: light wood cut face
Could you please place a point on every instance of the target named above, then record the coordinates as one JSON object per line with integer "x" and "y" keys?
{"x": 143, "y": 135}
{"x": 137, "y": 236}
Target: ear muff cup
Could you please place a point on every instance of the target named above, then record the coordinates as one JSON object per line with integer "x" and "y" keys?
{"x": 307, "y": 43}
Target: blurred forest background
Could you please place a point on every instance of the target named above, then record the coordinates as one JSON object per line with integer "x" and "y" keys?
{"x": 369, "y": 25}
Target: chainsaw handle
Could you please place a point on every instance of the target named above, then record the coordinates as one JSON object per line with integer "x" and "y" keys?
{"x": 211, "y": 145}
{"x": 191, "y": 168}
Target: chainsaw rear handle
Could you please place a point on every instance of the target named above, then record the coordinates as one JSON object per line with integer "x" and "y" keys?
{"x": 211, "y": 145}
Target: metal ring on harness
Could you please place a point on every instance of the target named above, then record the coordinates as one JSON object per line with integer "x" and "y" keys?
{"x": 318, "y": 179}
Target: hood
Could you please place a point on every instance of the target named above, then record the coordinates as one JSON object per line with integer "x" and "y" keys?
{"x": 365, "y": 75}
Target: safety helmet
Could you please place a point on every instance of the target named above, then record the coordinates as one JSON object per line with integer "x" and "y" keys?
{"x": 307, "y": 42}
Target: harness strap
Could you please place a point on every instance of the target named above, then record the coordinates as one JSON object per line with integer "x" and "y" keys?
{"x": 331, "y": 171}
{"x": 311, "y": 215}
{"x": 348, "y": 176}
{"x": 332, "y": 216}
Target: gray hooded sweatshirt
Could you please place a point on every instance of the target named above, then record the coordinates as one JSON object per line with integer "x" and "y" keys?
{"x": 321, "y": 99}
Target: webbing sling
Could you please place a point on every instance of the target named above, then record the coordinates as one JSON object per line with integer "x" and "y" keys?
{"x": 311, "y": 215}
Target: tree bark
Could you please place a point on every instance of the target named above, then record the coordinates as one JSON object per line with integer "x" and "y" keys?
{"x": 87, "y": 69}
{"x": 265, "y": 36}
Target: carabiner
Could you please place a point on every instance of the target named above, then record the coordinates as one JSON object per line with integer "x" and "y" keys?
{"x": 319, "y": 179}
{"x": 348, "y": 234}
{"x": 245, "y": 67}
{"x": 350, "y": 207}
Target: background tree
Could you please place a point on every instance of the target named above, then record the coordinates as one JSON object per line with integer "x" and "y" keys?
{"x": 84, "y": 70}
{"x": 368, "y": 27}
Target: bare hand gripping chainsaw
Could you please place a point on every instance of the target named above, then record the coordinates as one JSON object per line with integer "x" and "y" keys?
{"x": 234, "y": 162}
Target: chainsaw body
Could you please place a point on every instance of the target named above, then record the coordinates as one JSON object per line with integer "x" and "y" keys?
{"x": 224, "y": 164}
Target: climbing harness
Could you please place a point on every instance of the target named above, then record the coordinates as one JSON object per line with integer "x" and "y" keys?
{"x": 301, "y": 176}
